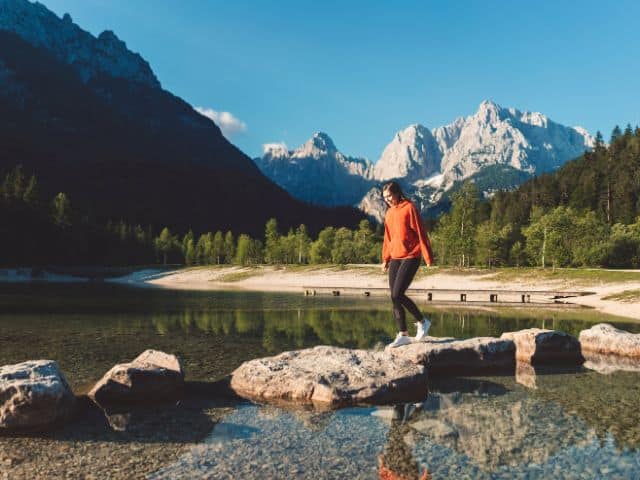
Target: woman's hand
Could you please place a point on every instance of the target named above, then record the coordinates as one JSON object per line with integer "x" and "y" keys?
{"x": 385, "y": 266}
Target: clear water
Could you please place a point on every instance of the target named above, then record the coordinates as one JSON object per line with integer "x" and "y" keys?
{"x": 578, "y": 424}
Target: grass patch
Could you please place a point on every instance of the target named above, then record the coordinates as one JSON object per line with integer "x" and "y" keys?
{"x": 238, "y": 276}
{"x": 583, "y": 275}
{"x": 625, "y": 296}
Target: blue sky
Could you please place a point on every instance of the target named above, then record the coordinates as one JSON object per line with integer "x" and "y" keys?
{"x": 362, "y": 70}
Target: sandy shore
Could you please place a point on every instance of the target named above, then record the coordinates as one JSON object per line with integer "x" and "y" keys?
{"x": 293, "y": 279}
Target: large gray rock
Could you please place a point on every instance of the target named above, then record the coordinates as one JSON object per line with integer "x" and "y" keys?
{"x": 152, "y": 376}
{"x": 605, "y": 338}
{"x": 33, "y": 394}
{"x": 330, "y": 376}
{"x": 450, "y": 355}
{"x": 539, "y": 346}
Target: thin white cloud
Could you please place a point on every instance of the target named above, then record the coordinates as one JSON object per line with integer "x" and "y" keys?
{"x": 276, "y": 146}
{"x": 228, "y": 123}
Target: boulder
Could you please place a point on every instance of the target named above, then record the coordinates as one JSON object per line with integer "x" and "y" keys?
{"x": 539, "y": 346}
{"x": 330, "y": 376}
{"x": 450, "y": 355}
{"x": 152, "y": 376}
{"x": 606, "y": 339}
{"x": 33, "y": 394}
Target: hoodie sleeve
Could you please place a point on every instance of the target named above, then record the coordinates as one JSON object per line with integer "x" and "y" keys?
{"x": 425, "y": 244}
{"x": 386, "y": 255}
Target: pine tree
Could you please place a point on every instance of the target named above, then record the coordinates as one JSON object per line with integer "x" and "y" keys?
{"x": 31, "y": 193}
{"x": 303, "y": 244}
{"x": 242, "y": 252}
{"x": 218, "y": 247}
{"x": 463, "y": 218}
{"x": 272, "y": 246}
{"x": 13, "y": 186}
{"x": 165, "y": 243}
{"x": 229, "y": 247}
{"x": 61, "y": 210}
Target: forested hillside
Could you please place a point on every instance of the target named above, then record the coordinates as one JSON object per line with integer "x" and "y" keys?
{"x": 586, "y": 213}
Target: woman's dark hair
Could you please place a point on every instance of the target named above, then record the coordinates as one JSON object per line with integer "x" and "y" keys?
{"x": 394, "y": 189}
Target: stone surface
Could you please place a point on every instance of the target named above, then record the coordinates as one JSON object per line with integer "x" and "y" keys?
{"x": 152, "y": 376}
{"x": 605, "y": 338}
{"x": 607, "y": 363}
{"x": 33, "y": 394}
{"x": 329, "y": 376}
{"x": 450, "y": 355}
{"x": 539, "y": 346}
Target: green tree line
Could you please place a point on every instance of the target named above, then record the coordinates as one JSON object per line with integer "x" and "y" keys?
{"x": 38, "y": 231}
{"x": 333, "y": 245}
{"x": 585, "y": 214}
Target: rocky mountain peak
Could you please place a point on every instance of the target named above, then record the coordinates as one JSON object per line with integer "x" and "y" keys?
{"x": 109, "y": 38}
{"x": 317, "y": 172}
{"x": 90, "y": 56}
{"x": 489, "y": 112}
{"x": 319, "y": 144}
{"x": 275, "y": 150}
{"x": 412, "y": 154}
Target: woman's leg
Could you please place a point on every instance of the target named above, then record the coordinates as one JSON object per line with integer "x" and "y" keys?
{"x": 398, "y": 309}
{"x": 404, "y": 272}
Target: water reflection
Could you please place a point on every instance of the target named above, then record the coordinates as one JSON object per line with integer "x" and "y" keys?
{"x": 583, "y": 424}
{"x": 397, "y": 462}
{"x": 490, "y": 428}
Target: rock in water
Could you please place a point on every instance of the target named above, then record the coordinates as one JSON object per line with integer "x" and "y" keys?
{"x": 33, "y": 394}
{"x": 330, "y": 376}
{"x": 607, "y": 363}
{"x": 451, "y": 355}
{"x": 539, "y": 346}
{"x": 152, "y": 376}
{"x": 605, "y": 338}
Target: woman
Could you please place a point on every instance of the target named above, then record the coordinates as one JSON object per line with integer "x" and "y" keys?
{"x": 405, "y": 241}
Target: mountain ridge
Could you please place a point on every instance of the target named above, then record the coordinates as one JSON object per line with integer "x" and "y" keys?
{"x": 87, "y": 54}
{"x": 429, "y": 163}
{"x": 122, "y": 147}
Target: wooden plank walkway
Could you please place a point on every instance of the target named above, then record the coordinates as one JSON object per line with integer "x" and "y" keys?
{"x": 444, "y": 295}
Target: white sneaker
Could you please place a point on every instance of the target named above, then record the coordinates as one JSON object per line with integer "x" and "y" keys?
{"x": 422, "y": 329}
{"x": 399, "y": 341}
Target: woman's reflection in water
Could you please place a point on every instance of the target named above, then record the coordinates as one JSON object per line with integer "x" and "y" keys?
{"x": 397, "y": 462}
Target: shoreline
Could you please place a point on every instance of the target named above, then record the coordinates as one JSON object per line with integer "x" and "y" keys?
{"x": 292, "y": 279}
{"x": 603, "y": 284}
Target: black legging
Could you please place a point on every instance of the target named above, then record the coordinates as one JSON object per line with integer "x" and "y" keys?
{"x": 401, "y": 273}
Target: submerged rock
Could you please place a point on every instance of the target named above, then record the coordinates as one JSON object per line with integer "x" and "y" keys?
{"x": 609, "y": 363}
{"x": 539, "y": 346}
{"x": 330, "y": 376}
{"x": 152, "y": 376}
{"x": 605, "y": 338}
{"x": 33, "y": 394}
{"x": 450, "y": 355}
{"x": 495, "y": 431}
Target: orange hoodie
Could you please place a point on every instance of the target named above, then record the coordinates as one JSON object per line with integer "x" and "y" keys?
{"x": 404, "y": 235}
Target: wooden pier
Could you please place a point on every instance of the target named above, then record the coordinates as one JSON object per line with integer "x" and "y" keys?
{"x": 459, "y": 296}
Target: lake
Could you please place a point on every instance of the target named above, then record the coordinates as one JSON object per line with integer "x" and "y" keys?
{"x": 542, "y": 424}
